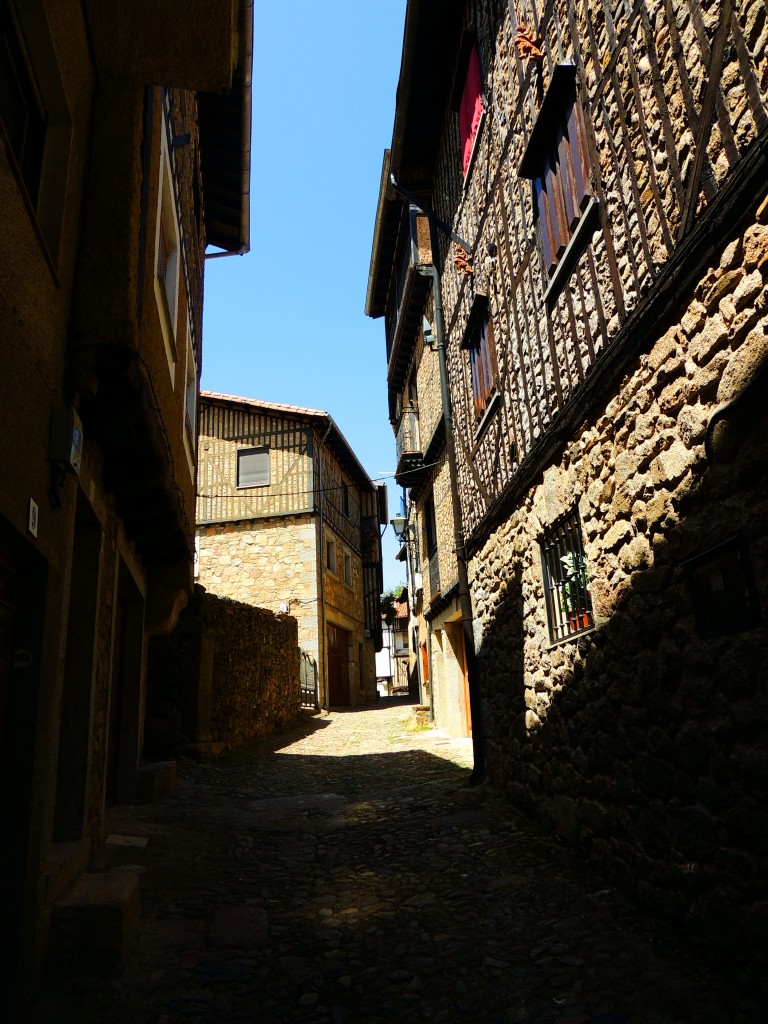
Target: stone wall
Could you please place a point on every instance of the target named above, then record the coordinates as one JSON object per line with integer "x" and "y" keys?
{"x": 227, "y": 673}
{"x": 643, "y": 742}
{"x": 266, "y": 563}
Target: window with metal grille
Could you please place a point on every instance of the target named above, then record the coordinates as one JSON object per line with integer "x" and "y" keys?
{"x": 566, "y": 578}
{"x": 253, "y": 467}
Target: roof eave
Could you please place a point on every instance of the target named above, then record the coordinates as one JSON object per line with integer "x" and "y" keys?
{"x": 431, "y": 41}
{"x": 225, "y": 130}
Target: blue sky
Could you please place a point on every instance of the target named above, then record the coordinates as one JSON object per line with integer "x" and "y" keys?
{"x": 285, "y": 323}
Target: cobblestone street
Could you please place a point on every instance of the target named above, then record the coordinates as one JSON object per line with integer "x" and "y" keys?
{"x": 344, "y": 872}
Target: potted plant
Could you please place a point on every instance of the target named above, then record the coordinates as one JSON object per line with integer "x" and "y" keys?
{"x": 574, "y": 599}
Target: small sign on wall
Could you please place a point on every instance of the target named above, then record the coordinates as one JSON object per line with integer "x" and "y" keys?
{"x": 34, "y": 513}
{"x": 722, "y": 588}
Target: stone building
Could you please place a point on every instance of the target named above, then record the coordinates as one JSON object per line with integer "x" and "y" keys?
{"x": 398, "y": 289}
{"x": 111, "y": 186}
{"x": 594, "y": 179}
{"x": 395, "y": 662}
{"x": 288, "y": 520}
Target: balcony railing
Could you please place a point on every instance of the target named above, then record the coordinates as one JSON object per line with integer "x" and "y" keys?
{"x": 410, "y": 458}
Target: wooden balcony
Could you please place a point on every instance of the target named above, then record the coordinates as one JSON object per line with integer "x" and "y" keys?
{"x": 410, "y": 458}
{"x": 403, "y": 318}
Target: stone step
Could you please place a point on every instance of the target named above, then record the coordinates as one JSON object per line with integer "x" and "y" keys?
{"x": 156, "y": 782}
{"x": 94, "y": 924}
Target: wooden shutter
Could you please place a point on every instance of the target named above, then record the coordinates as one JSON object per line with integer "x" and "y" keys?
{"x": 470, "y": 109}
{"x": 253, "y": 467}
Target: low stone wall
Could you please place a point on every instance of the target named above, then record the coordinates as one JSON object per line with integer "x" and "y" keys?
{"x": 227, "y": 673}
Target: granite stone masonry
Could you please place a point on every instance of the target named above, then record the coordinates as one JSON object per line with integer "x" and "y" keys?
{"x": 606, "y": 346}
{"x": 227, "y": 673}
{"x": 641, "y": 741}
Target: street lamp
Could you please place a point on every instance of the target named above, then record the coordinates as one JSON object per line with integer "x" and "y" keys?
{"x": 400, "y": 525}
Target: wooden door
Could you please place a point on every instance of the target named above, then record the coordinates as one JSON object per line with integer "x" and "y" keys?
{"x": 338, "y": 666}
{"x": 8, "y": 600}
{"x": 116, "y": 702}
{"x": 455, "y": 631}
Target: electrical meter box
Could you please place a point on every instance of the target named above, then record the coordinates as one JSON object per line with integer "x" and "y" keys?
{"x": 67, "y": 439}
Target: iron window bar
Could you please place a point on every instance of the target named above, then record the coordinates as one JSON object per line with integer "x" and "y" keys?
{"x": 564, "y": 570}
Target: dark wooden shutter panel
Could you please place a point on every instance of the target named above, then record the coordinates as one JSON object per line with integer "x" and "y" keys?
{"x": 253, "y": 467}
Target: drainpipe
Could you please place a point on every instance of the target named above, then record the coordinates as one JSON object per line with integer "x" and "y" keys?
{"x": 321, "y": 500}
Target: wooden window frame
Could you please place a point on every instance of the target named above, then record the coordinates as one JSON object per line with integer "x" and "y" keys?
{"x": 38, "y": 146}
{"x": 557, "y": 164}
{"x": 430, "y": 525}
{"x": 26, "y": 140}
{"x": 168, "y": 277}
{"x": 347, "y": 564}
{"x": 242, "y": 453}
{"x": 191, "y": 391}
{"x": 330, "y": 556}
{"x": 480, "y": 343}
{"x": 565, "y": 577}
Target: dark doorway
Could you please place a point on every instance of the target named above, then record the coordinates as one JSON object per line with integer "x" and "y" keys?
{"x": 126, "y": 691}
{"x": 9, "y": 590}
{"x": 338, "y": 666}
{"x": 23, "y": 583}
{"x": 76, "y": 705}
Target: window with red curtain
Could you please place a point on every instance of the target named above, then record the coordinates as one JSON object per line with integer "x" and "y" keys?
{"x": 470, "y": 109}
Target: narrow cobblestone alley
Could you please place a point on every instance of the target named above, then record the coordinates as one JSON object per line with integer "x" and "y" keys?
{"x": 344, "y": 872}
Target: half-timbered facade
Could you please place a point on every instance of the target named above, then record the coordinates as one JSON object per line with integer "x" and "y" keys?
{"x": 599, "y": 229}
{"x": 287, "y": 519}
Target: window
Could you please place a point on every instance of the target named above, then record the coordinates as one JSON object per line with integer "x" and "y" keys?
{"x": 35, "y": 122}
{"x": 22, "y": 115}
{"x": 556, "y": 162}
{"x": 345, "y": 500}
{"x": 430, "y": 525}
{"x": 348, "y": 568}
{"x": 478, "y": 340}
{"x": 566, "y": 578}
{"x": 167, "y": 250}
{"x": 190, "y": 397}
{"x": 253, "y": 467}
{"x": 467, "y": 99}
{"x": 330, "y": 555}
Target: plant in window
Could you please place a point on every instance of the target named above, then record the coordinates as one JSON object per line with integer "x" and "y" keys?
{"x": 565, "y": 578}
{"x": 573, "y": 589}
